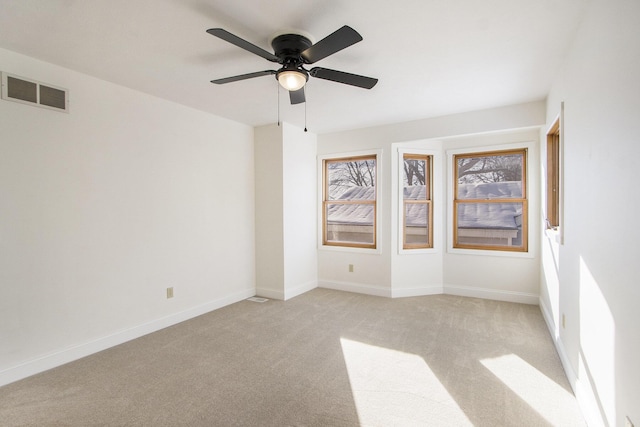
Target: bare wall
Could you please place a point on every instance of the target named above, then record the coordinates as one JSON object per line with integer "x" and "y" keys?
{"x": 592, "y": 279}
{"x": 104, "y": 208}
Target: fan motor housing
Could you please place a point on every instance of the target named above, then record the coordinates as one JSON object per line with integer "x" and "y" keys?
{"x": 288, "y": 47}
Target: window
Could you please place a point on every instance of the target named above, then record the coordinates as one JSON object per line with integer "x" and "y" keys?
{"x": 490, "y": 201}
{"x": 417, "y": 229}
{"x": 553, "y": 176}
{"x": 349, "y": 202}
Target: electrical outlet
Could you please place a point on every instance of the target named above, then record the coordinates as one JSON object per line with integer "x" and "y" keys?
{"x": 627, "y": 422}
{"x": 170, "y": 292}
{"x": 350, "y": 268}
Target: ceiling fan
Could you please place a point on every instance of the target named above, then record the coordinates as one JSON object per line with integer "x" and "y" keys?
{"x": 293, "y": 52}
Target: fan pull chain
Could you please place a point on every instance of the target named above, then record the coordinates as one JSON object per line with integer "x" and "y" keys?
{"x": 278, "y": 89}
{"x": 305, "y": 115}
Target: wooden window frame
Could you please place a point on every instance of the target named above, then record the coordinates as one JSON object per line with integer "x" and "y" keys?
{"x": 326, "y": 201}
{"x": 428, "y": 159}
{"x": 523, "y": 200}
{"x": 552, "y": 219}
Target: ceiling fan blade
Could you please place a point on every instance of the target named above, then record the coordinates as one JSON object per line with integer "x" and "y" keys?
{"x": 334, "y": 42}
{"x": 233, "y": 39}
{"x": 297, "y": 96}
{"x": 342, "y": 77}
{"x": 242, "y": 77}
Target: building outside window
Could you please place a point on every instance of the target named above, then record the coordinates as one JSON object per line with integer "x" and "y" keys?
{"x": 417, "y": 212}
{"x": 349, "y": 202}
{"x": 490, "y": 201}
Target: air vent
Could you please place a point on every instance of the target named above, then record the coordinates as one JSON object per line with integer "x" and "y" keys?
{"x": 32, "y": 92}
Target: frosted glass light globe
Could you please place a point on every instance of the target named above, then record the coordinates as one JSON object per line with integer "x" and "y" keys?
{"x": 292, "y": 80}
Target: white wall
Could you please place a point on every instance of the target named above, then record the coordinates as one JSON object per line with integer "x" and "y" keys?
{"x": 286, "y": 252}
{"x": 269, "y": 212}
{"x": 104, "y": 208}
{"x": 593, "y": 278}
{"x": 299, "y": 210}
{"x": 417, "y": 272}
{"x": 386, "y": 272}
{"x": 371, "y": 267}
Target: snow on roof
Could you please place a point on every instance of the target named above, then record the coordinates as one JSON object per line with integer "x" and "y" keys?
{"x": 501, "y": 216}
{"x": 489, "y": 215}
{"x": 415, "y": 214}
{"x": 350, "y": 214}
{"x": 359, "y": 193}
{"x": 470, "y": 215}
{"x": 415, "y": 192}
{"x": 490, "y": 190}
{"x": 353, "y": 214}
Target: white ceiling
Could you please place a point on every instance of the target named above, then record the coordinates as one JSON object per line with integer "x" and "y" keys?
{"x": 432, "y": 57}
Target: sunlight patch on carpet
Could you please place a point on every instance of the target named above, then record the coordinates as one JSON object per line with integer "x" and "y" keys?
{"x": 394, "y": 388}
{"x": 542, "y": 394}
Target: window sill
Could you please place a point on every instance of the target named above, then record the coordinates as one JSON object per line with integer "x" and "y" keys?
{"x": 331, "y": 248}
{"x": 494, "y": 253}
{"x": 420, "y": 251}
{"x": 554, "y": 235}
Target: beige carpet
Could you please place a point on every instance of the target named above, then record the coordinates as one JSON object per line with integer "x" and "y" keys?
{"x": 325, "y": 358}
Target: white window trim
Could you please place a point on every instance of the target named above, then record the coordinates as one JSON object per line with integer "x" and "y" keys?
{"x": 530, "y": 146}
{"x": 436, "y": 174}
{"x": 379, "y": 206}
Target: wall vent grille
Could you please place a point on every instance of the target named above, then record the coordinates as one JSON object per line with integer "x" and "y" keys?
{"x": 32, "y": 92}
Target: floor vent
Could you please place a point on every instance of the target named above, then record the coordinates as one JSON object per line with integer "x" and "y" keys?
{"x": 32, "y": 92}
{"x": 257, "y": 299}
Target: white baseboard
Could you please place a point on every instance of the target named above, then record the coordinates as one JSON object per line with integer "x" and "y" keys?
{"x": 466, "y": 291}
{"x": 287, "y": 293}
{"x": 300, "y": 289}
{"x": 269, "y": 293}
{"x": 417, "y": 292}
{"x": 359, "y": 288}
{"x": 66, "y": 355}
{"x": 584, "y": 392}
{"x": 494, "y": 294}
{"x": 551, "y": 324}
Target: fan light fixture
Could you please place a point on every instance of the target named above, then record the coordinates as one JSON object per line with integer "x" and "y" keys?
{"x": 294, "y": 51}
{"x": 292, "y": 80}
